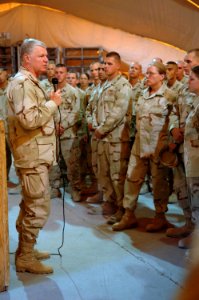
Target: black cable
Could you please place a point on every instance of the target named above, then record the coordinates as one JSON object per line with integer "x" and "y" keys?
{"x": 62, "y": 167}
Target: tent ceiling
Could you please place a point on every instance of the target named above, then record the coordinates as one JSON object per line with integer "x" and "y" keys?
{"x": 175, "y": 22}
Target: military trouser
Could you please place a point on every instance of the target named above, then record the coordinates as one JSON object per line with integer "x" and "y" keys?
{"x": 193, "y": 191}
{"x": 83, "y": 158}
{"x": 55, "y": 176}
{"x": 90, "y": 159}
{"x": 112, "y": 167}
{"x": 137, "y": 170}
{"x": 180, "y": 187}
{"x": 94, "y": 145}
{"x": 35, "y": 203}
{"x": 71, "y": 154}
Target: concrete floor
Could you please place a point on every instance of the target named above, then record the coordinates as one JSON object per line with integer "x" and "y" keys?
{"x": 97, "y": 263}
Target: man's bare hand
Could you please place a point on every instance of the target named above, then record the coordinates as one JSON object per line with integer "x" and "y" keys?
{"x": 98, "y": 135}
{"x": 56, "y": 97}
{"x": 90, "y": 127}
{"x": 178, "y": 134}
{"x": 59, "y": 129}
{"x": 172, "y": 147}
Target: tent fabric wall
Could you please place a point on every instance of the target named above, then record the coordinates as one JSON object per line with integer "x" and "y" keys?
{"x": 175, "y": 22}
{"x": 58, "y": 29}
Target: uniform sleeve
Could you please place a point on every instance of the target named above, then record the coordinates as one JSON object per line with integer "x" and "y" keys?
{"x": 90, "y": 107}
{"x": 174, "y": 117}
{"x": 195, "y": 119}
{"x": 119, "y": 110}
{"x": 29, "y": 108}
{"x": 71, "y": 117}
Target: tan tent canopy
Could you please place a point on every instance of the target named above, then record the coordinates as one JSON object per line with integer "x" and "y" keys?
{"x": 138, "y": 29}
{"x": 171, "y": 21}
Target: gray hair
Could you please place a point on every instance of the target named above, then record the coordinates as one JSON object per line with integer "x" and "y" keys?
{"x": 28, "y": 45}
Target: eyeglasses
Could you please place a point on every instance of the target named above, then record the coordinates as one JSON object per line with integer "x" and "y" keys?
{"x": 188, "y": 61}
{"x": 151, "y": 73}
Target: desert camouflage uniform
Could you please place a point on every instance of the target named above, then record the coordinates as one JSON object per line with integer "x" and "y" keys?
{"x": 32, "y": 140}
{"x": 191, "y": 157}
{"x": 90, "y": 120}
{"x": 185, "y": 101}
{"x": 176, "y": 87}
{"x": 91, "y": 99}
{"x": 88, "y": 93}
{"x": 152, "y": 125}
{"x": 113, "y": 115}
{"x": 3, "y": 107}
{"x": 69, "y": 119}
{"x": 82, "y": 135}
{"x": 54, "y": 171}
{"x": 3, "y": 116}
{"x": 185, "y": 80}
{"x": 46, "y": 85}
{"x": 136, "y": 92}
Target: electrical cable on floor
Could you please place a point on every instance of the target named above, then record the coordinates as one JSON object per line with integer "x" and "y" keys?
{"x": 63, "y": 168}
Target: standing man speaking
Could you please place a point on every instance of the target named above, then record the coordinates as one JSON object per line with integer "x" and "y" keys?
{"x": 32, "y": 138}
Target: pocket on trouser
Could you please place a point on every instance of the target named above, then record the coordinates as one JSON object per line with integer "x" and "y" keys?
{"x": 35, "y": 188}
{"x": 32, "y": 185}
{"x": 119, "y": 154}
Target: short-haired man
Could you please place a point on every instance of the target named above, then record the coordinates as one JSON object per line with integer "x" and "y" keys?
{"x": 32, "y": 140}
{"x": 50, "y": 73}
{"x": 185, "y": 101}
{"x": 90, "y": 94}
{"x": 135, "y": 72}
{"x": 82, "y": 130}
{"x": 171, "y": 76}
{"x": 92, "y": 124}
{"x": 54, "y": 172}
{"x": 113, "y": 114}
{"x": 180, "y": 73}
{"x": 67, "y": 124}
{"x": 84, "y": 81}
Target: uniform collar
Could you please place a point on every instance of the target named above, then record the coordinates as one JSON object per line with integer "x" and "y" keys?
{"x": 28, "y": 74}
{"x": 159, "y": 92}
{"x": 108, "y": 83}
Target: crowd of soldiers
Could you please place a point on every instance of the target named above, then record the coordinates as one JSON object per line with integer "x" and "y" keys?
{"x": 117, "y": 134}
{"x": 125, "y": 133}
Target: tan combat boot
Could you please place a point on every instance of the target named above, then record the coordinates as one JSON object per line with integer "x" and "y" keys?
{"x": 40, "y": 255}
{"x": 27, "y": 262}
{"x": 75, "y": 195}
{"x": 128, "y": 221}
{"x": 97, "y": 198}
{"x": 158, "y": 223}
{"x": 109, "y": 208}
{"x": 116, "y": 217}
{"x": 181, "y": 232}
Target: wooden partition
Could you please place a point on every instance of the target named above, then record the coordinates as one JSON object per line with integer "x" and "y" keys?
{"x": 4, "y": 237}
